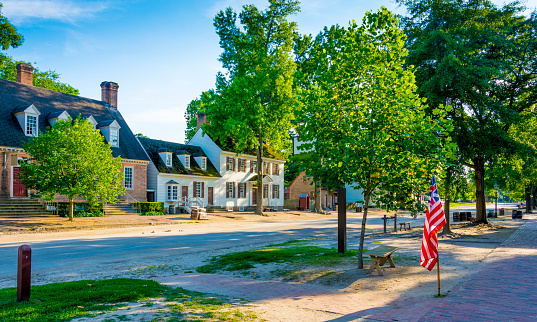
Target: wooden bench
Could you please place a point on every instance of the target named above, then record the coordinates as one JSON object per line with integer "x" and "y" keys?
{"x": 379, "y": 256}
{"x": 268, "y": 208}
{"x": 404, "y": 225}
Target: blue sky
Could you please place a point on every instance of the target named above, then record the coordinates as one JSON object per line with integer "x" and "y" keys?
{"x": 162, "y": 53}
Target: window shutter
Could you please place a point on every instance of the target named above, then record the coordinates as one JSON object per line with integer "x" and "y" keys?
{"x": 234, "y": 190}
{"x": 234, "y": 164}
{"x": 195, "y": 193}
{"x": 227, "y": 189}
{"x": 239, "y": 165}
{"x": 203, "y": 189}
{"x": 251, "y": 166}
{"x": 273, "y": 192}
{"x": 227, "y": 163}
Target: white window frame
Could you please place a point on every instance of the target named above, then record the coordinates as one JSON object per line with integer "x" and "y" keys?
{"x": 187, "y": 161}
{"x": 203, "y": 163}
{"x": 172, "y": 192}
{"x": 114, "y": 137}
{"x": 254, "y": 166}
{"x": 230, "y": 187}
{"x": 197, "y": 190}
{"x": 229, "y": 163}
{"x": 31, "y": 127}
{"x": 168, "y": 159}
{"x": 242, "y": 190}
{"x": 128, "y": 185}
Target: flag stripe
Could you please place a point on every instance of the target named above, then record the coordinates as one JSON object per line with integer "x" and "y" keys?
{"x": 435, "y": 220}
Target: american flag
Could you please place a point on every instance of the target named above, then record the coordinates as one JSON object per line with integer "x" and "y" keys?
{"x": 436, "y": 219}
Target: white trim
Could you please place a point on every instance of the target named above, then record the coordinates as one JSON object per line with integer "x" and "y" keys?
{"x": 134, "y": 161}
{"x": 254, "y": 157}
{"x": 11, "y": 188}
{"x": 11, "y": 149}
{"x": 187, "y": 175}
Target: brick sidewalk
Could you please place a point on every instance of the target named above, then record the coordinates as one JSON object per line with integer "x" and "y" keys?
{"x": 503, "y": 288}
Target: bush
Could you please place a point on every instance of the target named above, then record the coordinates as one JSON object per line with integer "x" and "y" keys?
{"x": 148, "y": 207}
{"x": 81, "y": 207}
{"x": 153, "y": 213}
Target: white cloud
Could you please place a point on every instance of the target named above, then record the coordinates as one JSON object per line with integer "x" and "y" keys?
{"x": 22, "y": 11}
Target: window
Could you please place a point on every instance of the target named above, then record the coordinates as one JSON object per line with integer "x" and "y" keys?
{"x": 242, "y": 190}
{"x": 172, "y": 192}
{"x": 114, "y": 139}
{"x": 242, "y": 165}
{"x": 275, "y": 191}
{"x": 203, "y": 163}
{"x": 276, "y": 169}
{"x": 129, "y": 177}
{"x": 230, "y": 193}
{"x": 230, "y": 164}
{"x": 254, "y": 166}
{"x": 197, "y": 189}
{"x": 168, "y": 159}
{"x": 31, "y": 125}
{"x": 187, "y": 161}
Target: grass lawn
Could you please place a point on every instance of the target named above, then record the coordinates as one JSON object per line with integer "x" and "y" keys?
{"x": 65, "y": 301}
{"x": 302, "y": 262}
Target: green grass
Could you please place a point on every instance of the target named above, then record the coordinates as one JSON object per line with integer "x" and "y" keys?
{"x": 461, "y": 204}
{"x": 66, "y": 301}
{"x": 277, "y": 253}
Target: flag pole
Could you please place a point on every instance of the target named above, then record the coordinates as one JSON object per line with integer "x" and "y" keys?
{"x": 438, "y": 271}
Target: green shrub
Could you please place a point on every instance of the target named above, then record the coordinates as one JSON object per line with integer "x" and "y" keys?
{"x": 153, "y": 213}
{"x": 81, "y": 207}
{"x": 149, "y": 207}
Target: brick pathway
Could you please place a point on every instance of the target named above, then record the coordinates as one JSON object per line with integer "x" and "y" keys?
{"x": 503, "y": 288}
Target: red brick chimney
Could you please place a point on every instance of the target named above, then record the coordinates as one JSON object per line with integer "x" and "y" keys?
{"x": 202, "y": 119}
{"x": 109, "y": 93}
{"x": 25, "y": 74}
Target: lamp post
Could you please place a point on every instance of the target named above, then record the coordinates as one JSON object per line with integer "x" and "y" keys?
{"x": 496, "y": 204}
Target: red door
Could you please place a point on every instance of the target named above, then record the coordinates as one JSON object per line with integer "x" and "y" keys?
{"x": 254, "y": 196}
{"x": 210, "y": 196}
{"x": 19, "y": 190}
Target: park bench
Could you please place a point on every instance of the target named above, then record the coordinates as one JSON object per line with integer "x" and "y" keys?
{"x": 379, "y": 256}
{"x": 404, "y": 225}
{"x": 268, "y": 208}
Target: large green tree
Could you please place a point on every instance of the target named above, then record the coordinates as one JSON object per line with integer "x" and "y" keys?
{"x": 254, "y": 100}
{"x": 9, "y": 37}
{"x": 481, "y": 60}
{"x": 71, "y": 159}
{"x": 364, "y": 119}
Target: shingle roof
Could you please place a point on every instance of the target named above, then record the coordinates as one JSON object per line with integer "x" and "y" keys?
{"x": 15, "y": 95}
{"x": 154, "y": 146}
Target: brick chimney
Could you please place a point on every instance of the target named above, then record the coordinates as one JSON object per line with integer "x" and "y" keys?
{"x": 25, "y": 74}
{"x": 109, "y": 93}
{"x": 202, "y": 119}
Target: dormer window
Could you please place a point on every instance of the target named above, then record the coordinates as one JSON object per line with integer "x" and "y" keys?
{"x": 54, "y": 117}
{"x": 166, "y": 156}
{"x": 201, "y": 160}
{"x": 91, "y": 120}
{"x": 28, "y": 118}
{"x": 110, "y": 131}
{"x": 184, "y": 157}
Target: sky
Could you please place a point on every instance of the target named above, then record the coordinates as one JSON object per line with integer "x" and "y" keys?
{"x": 162, "y": 53}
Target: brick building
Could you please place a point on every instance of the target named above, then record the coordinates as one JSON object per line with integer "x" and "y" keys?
{"x": 26, "y": 111}
{"x": 300, "y": 194}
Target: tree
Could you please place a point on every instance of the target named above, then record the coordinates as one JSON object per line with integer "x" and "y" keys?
{"x": 254, "y": 101}
{"x": 49, "y": 79}
{"x": 196, "y": 106}
{"x": 8, "y": 33}
{"x": 481, "y": 60}
{"x": 72, "y": 159}
{"x": 364, "y": 119}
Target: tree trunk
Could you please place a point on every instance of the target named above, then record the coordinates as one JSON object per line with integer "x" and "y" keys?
{"x": 481, "y": 207}
{"x": 259, "y": 207}
{"x": 362, "y": 232}
{"x": 71, "y": 209}
{"x": 317, "y": 195}
{"x": 449, "y": 176}
{"x": 528, "y": 199}
{"x": 533, "y": 204}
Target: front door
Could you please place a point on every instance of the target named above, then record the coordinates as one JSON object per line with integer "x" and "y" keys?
{"x": 254, "y": 196}
{"x": 184, "y": 192}
{"x": 210, "y": 196}
{"x": 19, "y": 190}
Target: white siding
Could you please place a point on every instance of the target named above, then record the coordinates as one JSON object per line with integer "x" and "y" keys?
{"x": 209, "y": 147}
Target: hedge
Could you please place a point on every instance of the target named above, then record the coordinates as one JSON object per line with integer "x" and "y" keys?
{"x": 149, "y": 207}
{"x": 82, "y": 209}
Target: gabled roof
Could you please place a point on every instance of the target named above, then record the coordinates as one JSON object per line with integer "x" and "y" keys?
{"x": 153, "y": 147}
{"x": 15, "y": 96}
